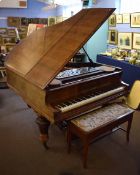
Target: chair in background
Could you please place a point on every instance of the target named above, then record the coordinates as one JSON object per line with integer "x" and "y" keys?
{"x": 133, "y": 99}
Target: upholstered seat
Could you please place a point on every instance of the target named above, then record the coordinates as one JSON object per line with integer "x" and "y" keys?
{"x": 101, "y": 117}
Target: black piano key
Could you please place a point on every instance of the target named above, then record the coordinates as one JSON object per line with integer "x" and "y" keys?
{"x": 63, "y": 105}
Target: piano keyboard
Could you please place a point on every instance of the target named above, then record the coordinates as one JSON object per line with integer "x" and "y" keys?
{"x": 75, "y": 103}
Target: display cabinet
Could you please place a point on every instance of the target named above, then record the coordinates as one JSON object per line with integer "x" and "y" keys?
{"x": 130, "y": 72}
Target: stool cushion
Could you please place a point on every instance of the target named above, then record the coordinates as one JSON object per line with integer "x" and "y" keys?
{"x": 101, "y": 116}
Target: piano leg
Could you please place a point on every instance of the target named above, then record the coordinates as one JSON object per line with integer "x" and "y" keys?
{"x": 43, "y": 125}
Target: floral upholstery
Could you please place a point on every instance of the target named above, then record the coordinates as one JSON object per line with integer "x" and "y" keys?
{"x": 101, "y": 116}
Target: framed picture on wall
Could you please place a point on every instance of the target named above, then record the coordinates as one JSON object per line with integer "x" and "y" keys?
{"x": 9, "y": 47}
{"x": 51, "y": 21}
{"x": 136, "y": 40}
{"x": 22, "y": 36}
{"x": 23, "y": 29}
{"x": 43, "y": 21}
{"x": 3, "y": 31}
{"x": 126, "y": 18}
{"x": 1, "y": 40}
{"x": 135, "y": 19}
{"x": 112, "y": 20}
{"x": 125, "y": 40}
{"x": 24, "y": 21}
{"x": 13, "y": 21}
{"x": 59, "y": 19}
{"x": 9, "y": 40}
{"x": 119, "y": 19}
{"x": 11, "y": 32}
{"x": 112, "y": 36}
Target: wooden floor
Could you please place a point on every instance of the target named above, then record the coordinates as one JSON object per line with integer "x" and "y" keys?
{"x": 21, "y": 152}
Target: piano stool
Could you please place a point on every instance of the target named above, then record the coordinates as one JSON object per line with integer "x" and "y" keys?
{"x": 98, "y": 122}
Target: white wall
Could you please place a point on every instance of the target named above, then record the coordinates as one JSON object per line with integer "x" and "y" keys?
{"x": 129, "y": 6}
{"x": 11, "y": 4}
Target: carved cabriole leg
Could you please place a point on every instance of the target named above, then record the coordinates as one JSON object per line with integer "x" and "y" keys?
{"x": 43, "y": 125}
{"x": 85, "y": 152}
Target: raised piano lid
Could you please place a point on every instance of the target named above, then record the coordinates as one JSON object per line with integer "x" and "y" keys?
{"x": 44, "y": 53}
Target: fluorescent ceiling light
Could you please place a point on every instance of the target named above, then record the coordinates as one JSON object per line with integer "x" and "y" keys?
{"x": 61, "y": 2}
{"x": 67, "y": 2}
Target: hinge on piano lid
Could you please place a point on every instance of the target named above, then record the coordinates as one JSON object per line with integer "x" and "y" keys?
{"x": 55, "y": 83}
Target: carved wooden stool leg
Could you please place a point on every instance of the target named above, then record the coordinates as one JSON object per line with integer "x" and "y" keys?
{"x": 85, "y": 152}
{"x": 43, "y": 125}
{"x": 129, "y": 127}
{"x": 69, "y": 138}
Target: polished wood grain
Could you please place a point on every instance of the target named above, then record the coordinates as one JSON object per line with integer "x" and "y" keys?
{"x": 31, "y": 94}
{"x": 42, "y": 55}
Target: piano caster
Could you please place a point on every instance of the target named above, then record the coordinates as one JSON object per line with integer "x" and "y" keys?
{"x": 43, "y": 125}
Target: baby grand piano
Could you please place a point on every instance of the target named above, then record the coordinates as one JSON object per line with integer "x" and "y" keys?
{"x": 38, "y": 69}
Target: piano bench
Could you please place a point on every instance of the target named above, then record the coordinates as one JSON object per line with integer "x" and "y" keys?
{"x": 96, "y": 123}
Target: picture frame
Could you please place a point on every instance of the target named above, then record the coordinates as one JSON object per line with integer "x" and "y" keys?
{"x": 112, "y": 20}
{"x": 35, "y": 20}
{"x": 22, "y": 36}
{"x": 119, "y": 19}
{"x": 59, "y": 19}
{"x": 125, "y": 40}
{"x": 112, "y": 37}
{"x": 13, "y": 21}
{"x": 24, "y": 21}
{"x": 43, "y": 21}
{"x": 3, "y": 31}
{"x": 85, "y": 3}
{"x": 135, "y": 19}
{"x": 22, "y": 29}
{"x": 9, "y": 40}
{"x": 1, "y": 40}
{"x": 31, "y": 21}
{"x": 9, "y": 47}
{"x": 51, "y": 21}
{"x": 11, "y": 32}
{"x": 136, "y": 41}
{"x": 126, "y": 18}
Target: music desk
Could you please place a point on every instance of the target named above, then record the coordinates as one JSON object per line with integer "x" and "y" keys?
{"x": 130, "y": 72}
